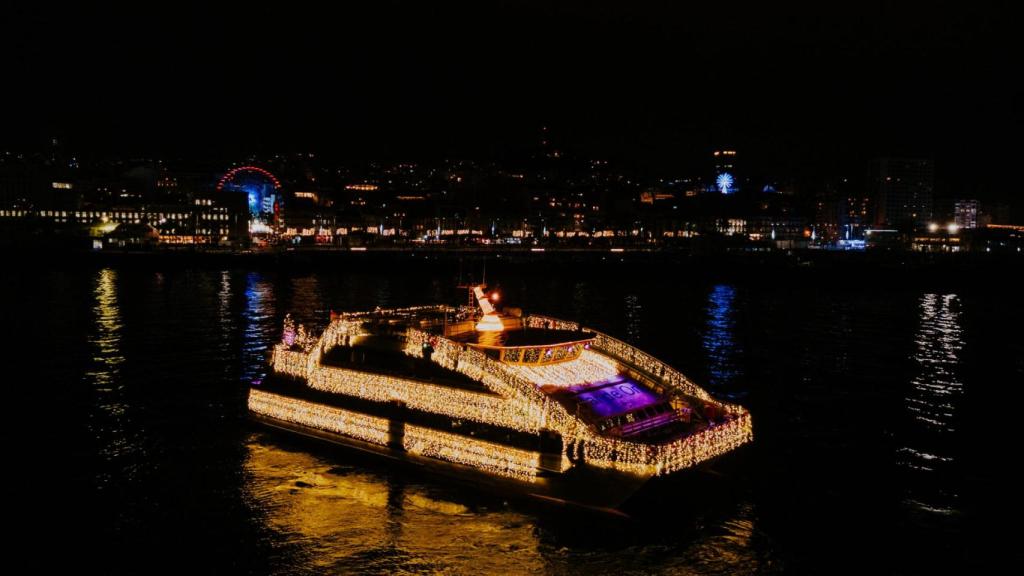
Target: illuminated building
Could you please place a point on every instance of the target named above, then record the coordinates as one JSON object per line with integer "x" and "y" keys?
{"x": 535, "y": 404}
{"x": 946, "y": 239}
{"x": 902, "y": 189}
{"x": 841, "y": 212}
{"x": 725, "y": 171}
{"x": 362, "y": 187}
{"x": 965, "y": 213}
{"x": 103, "y": 210}
{"x": 205, "y": 221}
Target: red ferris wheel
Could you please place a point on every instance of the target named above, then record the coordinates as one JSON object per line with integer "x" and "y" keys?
{"x": 230, "y": 175}
{"x": 263, "y": 194}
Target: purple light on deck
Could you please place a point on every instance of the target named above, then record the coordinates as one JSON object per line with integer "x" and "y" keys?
{"x": 614, "y": 396}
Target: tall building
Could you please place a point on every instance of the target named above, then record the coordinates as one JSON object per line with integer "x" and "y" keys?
{"x": 841, "y": 210}
{"x": 725, "y": 172}
{"x": 965, "y": 213}
{"x": 903, "y": 191}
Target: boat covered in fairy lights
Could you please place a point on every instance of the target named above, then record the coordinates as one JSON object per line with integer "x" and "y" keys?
{"x": 531, "y": 404}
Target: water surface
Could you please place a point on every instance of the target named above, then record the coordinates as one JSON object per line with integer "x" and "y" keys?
{"x": 884, "y": 418}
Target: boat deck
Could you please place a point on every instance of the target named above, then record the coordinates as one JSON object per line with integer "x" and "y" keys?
{"x": 595, "y": 388}
{"x": 396, "y": 363}
{"x": 521, "y": 337}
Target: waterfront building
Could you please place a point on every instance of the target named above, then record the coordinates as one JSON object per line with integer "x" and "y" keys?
{"x": 903, "y": 189}
{"x": 965, "y": 213}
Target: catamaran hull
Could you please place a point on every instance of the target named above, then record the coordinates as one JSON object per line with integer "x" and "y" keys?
{"x": 583, "y": 487}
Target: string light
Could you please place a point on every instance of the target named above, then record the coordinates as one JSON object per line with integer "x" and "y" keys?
{"x": 347, "y": 423}
{"x": 496, "y": 458}
{"x": 589, "y": 367}
{"x": 642, "y": 360}
{"x": 599, "y": 450}
{"x": 538, "y": 321}
{"x": 484, "y": 408}
{"x": 517, "y": 401}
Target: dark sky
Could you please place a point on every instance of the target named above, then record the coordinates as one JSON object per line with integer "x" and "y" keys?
{"x": 817, "y": 87}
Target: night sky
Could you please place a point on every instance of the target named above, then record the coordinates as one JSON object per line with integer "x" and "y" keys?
{"x": 796, "y": 90}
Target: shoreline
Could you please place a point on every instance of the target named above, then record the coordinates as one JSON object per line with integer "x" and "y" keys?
{"x": 853, "y": 269}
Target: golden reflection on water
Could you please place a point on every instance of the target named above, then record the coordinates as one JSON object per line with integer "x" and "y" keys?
{"x": 106, "y": 337}
{"x": 353, "y": 519}
{"x": 344, "y": 518}
{"x": 117, "y": 435}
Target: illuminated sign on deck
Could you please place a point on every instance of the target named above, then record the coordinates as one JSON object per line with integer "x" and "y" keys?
{"x": 614, "y": 396}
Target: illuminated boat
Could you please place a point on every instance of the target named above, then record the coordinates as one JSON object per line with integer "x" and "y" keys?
{"x": 534, "y": 404}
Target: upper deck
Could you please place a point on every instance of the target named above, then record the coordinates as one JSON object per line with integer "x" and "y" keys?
{"x": 612, "y": 405}
{"x": 521, "y": 344}
{"x": 556, "y": 359}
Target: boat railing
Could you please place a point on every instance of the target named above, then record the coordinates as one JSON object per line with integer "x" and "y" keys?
{"x": 537, "y": 411}
{"x": 602, "y": 451}
{"x": 661, "y": 372}
{"x": 540, "y": 321}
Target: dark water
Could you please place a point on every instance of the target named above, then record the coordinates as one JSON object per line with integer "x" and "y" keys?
{"x": 886, "y": 426}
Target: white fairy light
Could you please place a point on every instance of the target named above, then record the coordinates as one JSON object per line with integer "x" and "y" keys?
{"x": 516, "y": 403}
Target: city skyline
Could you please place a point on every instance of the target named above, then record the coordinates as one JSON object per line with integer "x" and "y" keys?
{"x": 553, "y": 200}
{"x": 800, "y": 92}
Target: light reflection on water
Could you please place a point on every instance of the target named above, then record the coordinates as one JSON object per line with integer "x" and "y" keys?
{"x": 224, "y": 316}
{"x": 260, "y": 326}
{"x": 931, "y": 401}
{"x": 720, "y": 345}
{"x": 159, "y": 364}
{"x": 939, "y": 340}
{"x": 347, "y": 516}
{"x": 106, "y": 337}
{"x": 112, "y": 424}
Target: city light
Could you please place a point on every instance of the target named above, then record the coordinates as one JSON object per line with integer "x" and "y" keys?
{"x": 724, "y": 182}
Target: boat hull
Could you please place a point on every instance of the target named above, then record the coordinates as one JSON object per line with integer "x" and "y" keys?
{"x": 582, "y": 487}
